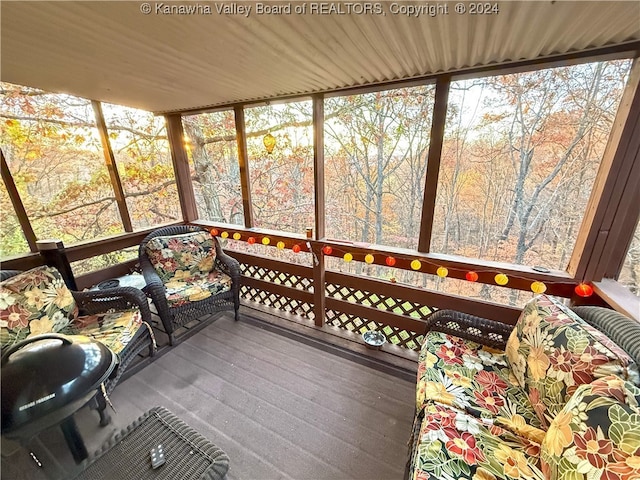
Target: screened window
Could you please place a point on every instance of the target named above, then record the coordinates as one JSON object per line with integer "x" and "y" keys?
{"x": 12, "y": 240}
{"x": 519, "y": 160}
{"x": 141, "y": 148}
{"x": 376, "y": 148}
{"x": 630, "y": 274}
{"x": 281, "y": 181}
{"x": 99, "y": 262}
{"x": 213, "y": 150}
{"x": 53, "y": 150}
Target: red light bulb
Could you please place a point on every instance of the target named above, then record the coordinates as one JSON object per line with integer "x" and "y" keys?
{"x": 584, "y": 290}
{"x": 327, "y": 250}
{"x": 251, "y": 240}
{"x": 390, "y": 261}
{"x": 296, "y": 248}
{"x": 472, "y": 276}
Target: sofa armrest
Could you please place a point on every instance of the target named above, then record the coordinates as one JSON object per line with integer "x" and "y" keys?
{"x": 481, "y": 330}
{"x": 121, "y": 298}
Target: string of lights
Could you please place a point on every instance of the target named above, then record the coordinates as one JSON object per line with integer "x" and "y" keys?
{"x": 582, "y": 289}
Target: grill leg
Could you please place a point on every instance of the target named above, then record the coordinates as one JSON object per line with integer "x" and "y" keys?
{"x": 74, "y": 440}
{"x": 105, "y": 419}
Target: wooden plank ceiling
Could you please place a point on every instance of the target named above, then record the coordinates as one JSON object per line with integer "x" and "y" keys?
{"x": 111, "y": 51}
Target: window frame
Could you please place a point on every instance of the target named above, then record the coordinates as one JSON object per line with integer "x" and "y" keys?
{"x": 604, "y": 236}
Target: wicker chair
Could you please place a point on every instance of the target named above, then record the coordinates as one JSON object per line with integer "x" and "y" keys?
{"x": 174, "y": 315}
{"x": 113, "y": 300}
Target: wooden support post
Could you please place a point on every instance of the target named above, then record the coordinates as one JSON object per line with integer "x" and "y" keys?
{"x": 318, "y": 164}
{"x": 181, "y": 168}
{"x": 433, "y": 162}
{"x": 110, "y": 160}
{"x": 18, "y": 206}
{"x": 319, "y": 299}
{"x": 243, "y": 159}
{"x": 55, "y": 255}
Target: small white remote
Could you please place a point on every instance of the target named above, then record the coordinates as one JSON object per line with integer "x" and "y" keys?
{"x": 157, "y": 456}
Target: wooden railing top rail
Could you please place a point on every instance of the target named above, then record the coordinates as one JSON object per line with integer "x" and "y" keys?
{"x": 272, "y": 264}
{"x": 520, "y": 276}
{"x": 101, "y": 246}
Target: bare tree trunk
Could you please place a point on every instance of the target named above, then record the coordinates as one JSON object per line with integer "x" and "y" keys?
{"x": 204, "y": 173}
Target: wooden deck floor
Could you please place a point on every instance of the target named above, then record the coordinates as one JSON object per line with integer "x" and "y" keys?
{"x": 278, "y": 407}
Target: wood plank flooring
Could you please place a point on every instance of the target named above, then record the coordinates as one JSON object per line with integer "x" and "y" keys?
{"x": 280, "y": 409}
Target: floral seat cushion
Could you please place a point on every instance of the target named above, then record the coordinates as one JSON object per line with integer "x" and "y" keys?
{"x": 453, "y": 445}
{"x": 181, "y": 290}
{"x": 596, "y": 435}
{"x": 34, "y": 302}
{"x": 114, "y": 329}
{"x": 188, "y": 255}
{"x": 552, "y": 352}
{"x": 474, "y": 378}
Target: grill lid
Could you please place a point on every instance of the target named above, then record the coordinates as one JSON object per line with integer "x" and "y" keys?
{"x": 48, "y": 373}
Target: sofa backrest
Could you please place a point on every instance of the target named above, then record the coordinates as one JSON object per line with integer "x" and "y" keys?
{"x": 552, "y": 351}
{"x": 187, "y": 255}
{"x": 34, "y": 302}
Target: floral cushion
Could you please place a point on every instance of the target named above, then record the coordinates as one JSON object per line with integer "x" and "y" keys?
{"x": 596, "y": 435}
{"x": 453, "y": 445}
{"x": 34, "y": 302}
{"x": 189, "y": 254}
{"x": 552, "y": 351}
{"x": 115, "y": 329}
{"x": 474, "y": 378}
{"x": 181, "y": 290}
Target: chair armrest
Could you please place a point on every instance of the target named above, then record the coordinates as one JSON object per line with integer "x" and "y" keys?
{"x": 227, "y": 264}
{"x": 151, "y": 277}
{"x": 121, "y": 298}
{"x": 481, "y": 330}
{"x": 156, "y": 290}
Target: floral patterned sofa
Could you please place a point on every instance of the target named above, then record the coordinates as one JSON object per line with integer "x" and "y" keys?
{"x": 38, "y": 301}
{"x": 553, "y": 398}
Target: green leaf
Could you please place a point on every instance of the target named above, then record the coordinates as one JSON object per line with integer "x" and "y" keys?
{"x": 601, "y": 402}
{"x": 577, "y": 341}
{"x": 617, "y": 414}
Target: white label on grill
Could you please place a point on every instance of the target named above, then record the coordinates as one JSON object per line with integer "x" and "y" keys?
{"x": 37, "y": 402}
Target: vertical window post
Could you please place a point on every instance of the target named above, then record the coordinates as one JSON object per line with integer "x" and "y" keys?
{"x": 18, "y": 206}
{"x": 433, "y": 162}
{"x": 318, "y": 175}
{"x": 243, "y": 158}
{"x": 110, "y": 160}
{"x": 181, "y": 168}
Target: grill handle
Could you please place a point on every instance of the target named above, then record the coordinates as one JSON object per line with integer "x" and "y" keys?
{"x": 19, "y": 345}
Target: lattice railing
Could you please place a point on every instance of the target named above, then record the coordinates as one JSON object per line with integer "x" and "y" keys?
{"x": 276, "y": 300}
{"x": 279, "y": 302}
{"x": 264, "y": 273}
{"x": 379, "y": 301}
{"x": 273, "y": 276}
{"x": 355, "y": 323}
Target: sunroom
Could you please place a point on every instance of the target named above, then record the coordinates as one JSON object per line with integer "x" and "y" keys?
{"x": 370, "y": 166}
